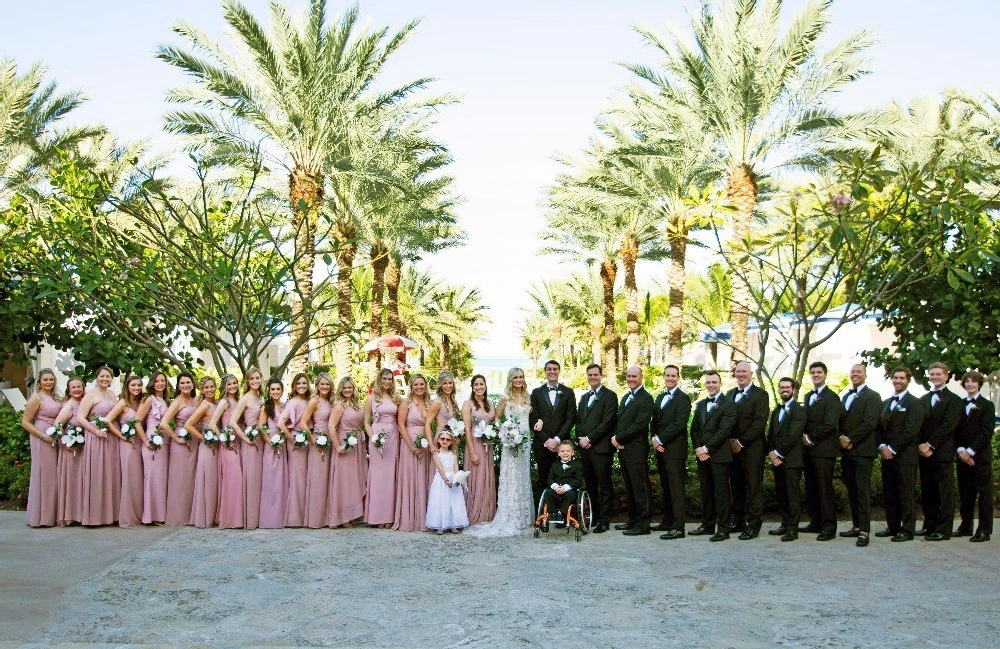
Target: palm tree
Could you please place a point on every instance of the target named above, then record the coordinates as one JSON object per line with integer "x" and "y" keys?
{"x": 460, "y": 314}
{"x": 535, "y": 338}
{"x": 762, "y": 93}
{"x": 305, "y": 88}
{"x": 579, "y": 302}
{"x": 546, "y": 301}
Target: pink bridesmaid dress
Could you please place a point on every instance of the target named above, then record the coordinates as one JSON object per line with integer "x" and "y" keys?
{"x": 180, "y": 479}
{"x": 205, "y": 501}
{"x": 230, "y": 480}
{"x": 252, "y": 463}
{"x": 155, "y": 465}
{"x": 43, "y": 498}
{"x": 348, "y": 474}
{"x": 274, "y": 480}
{"x": 298, "y": 465}
{"x": 318, "y": 469}
{"x": 69, "y": 507}
{"x": 101, "y": 474}
{"x": 481, "y": 495}
{"x": 411, "y": 478}
{"x": 380, "y": 506}
{"x": 130, "y": 457}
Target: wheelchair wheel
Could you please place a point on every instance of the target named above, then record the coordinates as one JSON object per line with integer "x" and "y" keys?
{"x": 538, "y": 512}
{"x": 585, "y": 512}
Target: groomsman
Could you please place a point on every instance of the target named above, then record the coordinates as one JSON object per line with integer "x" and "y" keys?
{"x": 669, "y": 437}
{"x": 937, "y": 455}
{"x": 823, "y": 413}
{"x": 553, "y": 412}
{"x": 714, "y": 418}
{"x": 595, "y": 424}
{"x": 785, "y": 439}
{"x": 859, "y": 446}
{"x": 975, "y": 455}
{"x": 747, "y": 443}
{"x": 899, "y": 426}
{"x": 631, "y": 438}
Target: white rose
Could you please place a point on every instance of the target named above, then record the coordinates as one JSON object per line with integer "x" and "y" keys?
{"x": 51, "y": 431}
{"x": 275, "y": 438}
{"x": 299, "y": 438}
{"x": 424, "y": 444}
{"x": 80, "y": 439}
{"x": 322, "y": 440}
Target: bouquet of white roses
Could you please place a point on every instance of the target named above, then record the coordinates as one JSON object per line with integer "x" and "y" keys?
{"x": 184, "y": 436}
{"x": 100, "y": 422}
{"x": 350, "y": 440}
{"x": 322, "y": 441}
{"x": 155, "y": 443}
{"x": 252, "y": 433}
{"x": 129, "y": 430}
{"x": 378, "y": 440}
{"x": 421, "y": 441}
{"x": 210, "y": 438}
{"x": 72, "y": 438}
{"x": 511, "y": 436}
{"x": 484, "y": 430}
{"x": 300, "y": 438}
{"x": 276, "y": 440}
{"x": 54, "y": 433}
{"x": 227, "y": 437}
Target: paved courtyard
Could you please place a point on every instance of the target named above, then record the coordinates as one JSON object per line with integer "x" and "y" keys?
{"x": 375, "y": 588}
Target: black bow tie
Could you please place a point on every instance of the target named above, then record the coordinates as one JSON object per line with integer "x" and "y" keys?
{"x": 593, "y": 393}
{"x": 711, "y": 399}
{"x": 740, "y": 390}
{"x": 553, "y": 389}
{"x": 970, "y": 400}
{"x": 936, "y": 392}
{"x": 896, "y": 399}
{"x": 852, "y": 391}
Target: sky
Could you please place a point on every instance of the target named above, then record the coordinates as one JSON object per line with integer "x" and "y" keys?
{"x": 532, "y": 76}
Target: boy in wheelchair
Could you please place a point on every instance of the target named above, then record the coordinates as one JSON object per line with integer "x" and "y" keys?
{"x": 565, "y": 481}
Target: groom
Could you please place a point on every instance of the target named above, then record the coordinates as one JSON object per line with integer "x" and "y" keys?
{"x": 553, "y": 411}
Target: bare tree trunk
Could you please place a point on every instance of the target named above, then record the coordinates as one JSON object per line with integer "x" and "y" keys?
{"x": 392, "y": 279}
{"x": 675, "y": 324}
{"x": 630, "y": 254}
{"x": 742, "y": 192}
{"x": 305, "y": 194}
{"x": 609, "y": 271}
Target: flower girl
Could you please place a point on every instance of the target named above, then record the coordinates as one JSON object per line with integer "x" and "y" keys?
{"x": 445, "y": 501}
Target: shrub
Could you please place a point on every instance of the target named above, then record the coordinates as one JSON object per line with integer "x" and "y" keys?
{"x": 15, "y": 457}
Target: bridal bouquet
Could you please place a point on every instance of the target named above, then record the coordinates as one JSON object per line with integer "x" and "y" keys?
{"x": 378, "y": 441}
{"x": 511, "y": 436}
{"x": 129, "y": 429}
{"x": 276, "y": 440}
{"x": 100, "y": 422}
{"x": 350, "y": 441}
{"x": 72, "y": 438}
{"x": 210, "y": 438}
{"x": 227, "y": 437}
{"x": 183, "y": 435}
{"x": 322, "y": 443}
{"x": 155, "y": 443}
{"x": 300, "y": 438}
{"x": 252, "y": 433}
{"x": 421, "y": 441}
{"x": 485, "y": 430}
{"x": 54, "y": 433}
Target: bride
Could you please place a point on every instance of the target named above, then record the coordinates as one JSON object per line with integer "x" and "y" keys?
{"x": 515, "y": 510}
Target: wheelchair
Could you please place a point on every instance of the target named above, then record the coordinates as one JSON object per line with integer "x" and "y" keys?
{"x": 579, "y": 518}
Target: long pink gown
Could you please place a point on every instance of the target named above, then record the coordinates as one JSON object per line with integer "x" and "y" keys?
{"x": 298, "y": 465}
{"x": 43, "y": 498}
{"x": 180, "y": 479}
{"x": 130, "y": 458}
{"x": 348, "y": 474}
{"x": 205, "y": 502}
{"x": 155, "y": 466}
{"x": 230, "y": 479}
{"x": 69, "y": 495}
{"x": 380, "y": 506}
{"x": 411, "y": 478}
{"x": 274, "y": 480}
{"x": 481, "y": 495}
{"x": 101, "y": 474}
{"x": 318, "y": 469}
{"x": 252, "y": 463}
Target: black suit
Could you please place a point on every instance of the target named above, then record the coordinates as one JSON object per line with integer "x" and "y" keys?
{"x": 975, "y": 432}
{"x": 632, "y": 432}
{"x": 572, "y": 476}
{"x": 747, "y": 475}
{"x": 785, "y": 438}
{"x": 597, "y": 423}
{"x": 860, "y": 425}
{"x": 712, "y": 430}
{"x": 899, "y": 425}
{"x": 557, "y": 421}
{"x": 670, "y": 421}
{"x": 937, "y": 472}
{"x": 822, "y": 428}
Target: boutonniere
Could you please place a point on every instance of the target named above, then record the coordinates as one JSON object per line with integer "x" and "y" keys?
{"x": 974, "y": 408}
{"x": 901, "y": 409}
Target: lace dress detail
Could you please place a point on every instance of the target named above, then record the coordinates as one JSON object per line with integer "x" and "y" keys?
{"x": 515, "y": 506}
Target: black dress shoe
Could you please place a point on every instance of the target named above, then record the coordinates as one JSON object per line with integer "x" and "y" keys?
{"x": 719, "y": 536}
{"x": 980, "y": 537}
{"x": 884, "y": 534}
{"x": 826, "y": 536}
{"x": 937, "y": 536}
{"x": 901, "y": 537}
{"x": 862, "y": 541}
{"x": 962, "y": 531}
{"x": 747, "y": 535}
{"x": 790, "y": 535}
{"x": 623, "y": 526}
{"x": 851, "y": 533}
{"x": 672, "y": 534}
{"x": 636, "y": 531}
{"x": 810, "y": 529}
{"x": 738, "y": 527}
{"x": 701, "y": 530}
{"x": 921, "y": 533}
{"x": 601, "y": 528}
{"x": 778, "y": 531}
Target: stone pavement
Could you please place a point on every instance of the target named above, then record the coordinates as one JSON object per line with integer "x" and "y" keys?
{"x": 375, "y": 588}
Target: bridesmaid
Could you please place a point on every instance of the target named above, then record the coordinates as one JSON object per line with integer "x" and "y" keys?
{"x": 481, "y": 496}
{"x": 298, "y": 456}
{"x": 230, "y": 467}
{"x": 155, "y": 462}
{"x": 411, "y": 472}
{"x": 246, "y": 414}
{"x": 129, "y": 452}
{"x": 443, "y": 409}
{"x": 274, "y": 474}
{"x": 205, "y": 502}
{"x": 69, "y": 496}
{"x": 39, "y": 416}
{"x": 183, "y": 453}
{"x": 380, "y": 415}
{"x": 101, "y": 463}
{"x": 349, "y": 470}
{"x": 318, "y": 465}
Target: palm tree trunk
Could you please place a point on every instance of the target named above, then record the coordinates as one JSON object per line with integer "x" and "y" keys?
{"x": 596, "y": 327}
{"x": 392, "y": 279}
{"x": 675, "y": 324}
{"x": 305, "y": 193}
{"x": 630, "y": 254}
{"x": 445, "y": 352}
{"x": 346, "y": 251}
{"x": 379, "y": 259}
{"x": 741, "y": 189}
{"x": 609, "y": 272}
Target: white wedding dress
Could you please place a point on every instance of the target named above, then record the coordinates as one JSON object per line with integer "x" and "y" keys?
{"x": 515, "y": 506}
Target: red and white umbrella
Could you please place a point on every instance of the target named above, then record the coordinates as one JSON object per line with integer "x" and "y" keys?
{"x": 390, "y": 342}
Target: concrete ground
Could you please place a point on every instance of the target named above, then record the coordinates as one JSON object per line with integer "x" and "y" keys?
{"x": 375, "y": 588}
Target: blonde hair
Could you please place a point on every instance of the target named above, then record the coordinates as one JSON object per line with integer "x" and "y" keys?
{"x": 201, "y": 387}
{"x": 323, "y": 376}
{"x": 354, "y": 401}
{"x": 522, "y": 398}
{"x": 222, "y": 385}
{"x": 55, "y": 387}
{"x": 426, "y": 397}
{"x": 246, "y": 381}
{"x": 377, "y": 393}
{"x": 442, "y": 395}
